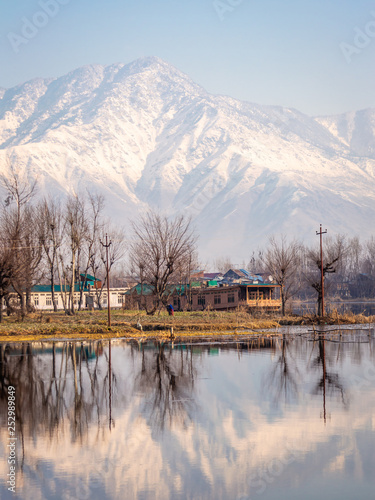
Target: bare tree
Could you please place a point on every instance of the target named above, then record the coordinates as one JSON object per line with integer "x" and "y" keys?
{"x": 256, "y": 262}
{"x": 6, "y": 274}
{"x": 94, "y": 228}
{"x": 51, "y": 233}
{"x": 223, "y": 264}
{"x": 282, "y": 260}
{"x": 18, "y": 223}
{"x": 159, "y": 249}
{"x": 76, "y": 227}
{"x": 352, "y": 258}
{"x": 334, "y": 250}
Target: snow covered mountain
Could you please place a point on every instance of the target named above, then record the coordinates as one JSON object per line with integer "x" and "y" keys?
{"x": 145, "y": 135}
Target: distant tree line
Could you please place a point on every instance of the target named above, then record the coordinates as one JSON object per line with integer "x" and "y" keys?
{"x": 348, "y": 267}
{"x": 48, "y": 241}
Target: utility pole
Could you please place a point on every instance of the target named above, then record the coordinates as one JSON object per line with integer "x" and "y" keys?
{"x": 321, "y": 232}
{"x": 106, "y": 246}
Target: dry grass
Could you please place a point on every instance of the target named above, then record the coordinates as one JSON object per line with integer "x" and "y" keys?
{"x": 93, "y": 325}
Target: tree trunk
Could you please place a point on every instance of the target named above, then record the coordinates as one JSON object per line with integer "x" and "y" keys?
{"x": 283, "y": 301}
{"x": 62, "y": 289}
{"x": 22, "y": 305}
{"x": 71, "y": 305}
{"x": 52, "y": 279}
{"x": 29, "y": 306}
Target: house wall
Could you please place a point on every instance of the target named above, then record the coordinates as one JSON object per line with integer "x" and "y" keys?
{"x": 218, "y": 298}
{"x": 43, "y": 301}
{"x": 215, "y": 298}
{"x": 234, "y": 296}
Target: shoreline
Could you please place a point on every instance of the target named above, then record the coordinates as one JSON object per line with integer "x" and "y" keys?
{"x": 185, "y": 325}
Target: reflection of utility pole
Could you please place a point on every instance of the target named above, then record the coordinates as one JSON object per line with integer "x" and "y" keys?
{"x": 324, "y": 381}
{"x": 106, "y": 246}
{"x": 110, "y": 386}
{"x": 321, "y": 267}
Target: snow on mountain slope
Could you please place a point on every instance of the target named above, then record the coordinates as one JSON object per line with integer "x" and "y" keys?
{"x": 147, "y": 136}
{"x": 356, "y": 130}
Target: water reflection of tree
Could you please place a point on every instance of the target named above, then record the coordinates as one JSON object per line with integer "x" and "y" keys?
{"x": 329, "y": 382}
{"x": 282, "y": 379}
{"x": 65, "y": 385}
{"x": 166, "y": 378}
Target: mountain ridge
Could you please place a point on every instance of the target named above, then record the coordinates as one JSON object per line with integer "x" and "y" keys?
{"x": 147, "y": 136}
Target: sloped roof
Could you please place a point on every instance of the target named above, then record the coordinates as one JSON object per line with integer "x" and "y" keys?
{"x": 212, "y": 276}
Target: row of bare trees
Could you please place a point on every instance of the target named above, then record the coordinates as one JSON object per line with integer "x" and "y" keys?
{"x": 348, "y": 267}
{"x": 48, "y": 241}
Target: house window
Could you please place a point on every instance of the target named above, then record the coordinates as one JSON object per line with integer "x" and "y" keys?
{"x": 36, "y": 300}
{"x": 48, "y": 300}
{"x": 119, "y": 299}
{"x": 230, "y": 298}
{"x": 253, "y": 295}
{"x": 217, "y": 299}
{"x": 175, "y": 302}
{"x": 201, "y": 300}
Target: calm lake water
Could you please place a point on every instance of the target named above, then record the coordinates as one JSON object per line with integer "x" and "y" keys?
{"x": 367, "y": 308}
{"x": 290, "y": 417}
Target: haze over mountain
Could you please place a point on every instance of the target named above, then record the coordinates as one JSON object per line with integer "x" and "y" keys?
{"x": 145, "y": 135}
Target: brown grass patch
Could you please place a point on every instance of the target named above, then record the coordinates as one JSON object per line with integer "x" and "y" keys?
{"x": 93, "y": 324}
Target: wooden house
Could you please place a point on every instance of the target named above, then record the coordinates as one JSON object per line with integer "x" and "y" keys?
{"x": 252, "y": 295}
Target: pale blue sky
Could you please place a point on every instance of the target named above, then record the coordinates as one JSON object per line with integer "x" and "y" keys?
{"x": 284, "y": 52}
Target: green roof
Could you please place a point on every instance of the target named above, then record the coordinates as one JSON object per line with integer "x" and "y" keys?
{"x": 148, "y": 289}
{"x": 57, "y": 288}
{"x": 212, "y": 283}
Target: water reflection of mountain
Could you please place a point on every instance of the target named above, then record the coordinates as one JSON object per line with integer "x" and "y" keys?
{"x": 188, "y": 421}
{"x": 77, "y": 381}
